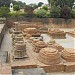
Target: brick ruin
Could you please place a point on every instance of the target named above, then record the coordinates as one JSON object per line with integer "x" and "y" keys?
{"x": 31, "y": 31}
{"x": 18, "y": 43}
{"x": 33, "y": 52}
{"x": 56, "y": 34}
{"x": 49, "y": 56}
{"x": 72, "y": 33}
{"x": 39, "y": 45}
{"x": 52, "y": 43}
{"x": 52, "y": 57}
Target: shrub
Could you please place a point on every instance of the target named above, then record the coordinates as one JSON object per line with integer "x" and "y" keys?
{"x": 16, "y": 14}
{"x": 41, "y": 13}
{"x": 48, "y": 14}
{"x": 4, "y": 11}
{"x": 45, "y": 8}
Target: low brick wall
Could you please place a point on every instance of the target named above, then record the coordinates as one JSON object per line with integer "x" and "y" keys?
{"x": 51, "y": 22}
{"x": 3, "y": 29}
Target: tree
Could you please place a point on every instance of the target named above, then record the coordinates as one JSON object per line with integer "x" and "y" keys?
{"x": 5, "y": 3}
{"x": 45, "y": 8}
{"x": 16, "y": 8}
{"x": 49, "y": 1}
{"x": 66, "y": 12}
{"x": 64, "y": 5}
{"x": 29, "y": 11}
{"x": 33, "y": 5}
{"x": 68, "y": 3}
{"x": 21, "y": 4}
{"x": 41, "y": 13}
{"x": 61, "y": 3}
{"x": 52, "y": 2}
{"x": 4, "y": 11}
{"x": 40, "y": 4}
{"x": 55, "y": 12}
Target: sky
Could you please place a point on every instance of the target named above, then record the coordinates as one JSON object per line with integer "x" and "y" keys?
{"x": 34, "y": 1}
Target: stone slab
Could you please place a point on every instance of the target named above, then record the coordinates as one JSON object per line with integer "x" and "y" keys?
{"x": 33, "y": 71}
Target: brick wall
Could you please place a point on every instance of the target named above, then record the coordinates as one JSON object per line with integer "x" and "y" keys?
{"x": 3, "y": 29}
{"x": 52, "y": 22}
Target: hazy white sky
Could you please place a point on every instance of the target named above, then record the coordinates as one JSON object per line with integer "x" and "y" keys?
{"x": 34, "y": 1}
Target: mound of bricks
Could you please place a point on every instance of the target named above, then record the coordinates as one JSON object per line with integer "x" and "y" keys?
{"x": 57, "y": 34}
{"x": 72, "y": 33}
{"x": 39, "y": 45}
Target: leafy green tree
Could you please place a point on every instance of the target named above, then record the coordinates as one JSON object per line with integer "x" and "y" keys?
{"x": 4, "y": 11}
{"x": 52, "y": 2}
{"x": 66, "y": 12}
{"x": 61, "y": 3}
{"x": 55, "y": 12}
{"x": 40, "y": 4}
{"x": 16, "y": 8}
{"x": 41, "y": 13}
{"x": 21, "y": 4}
{"x": 73, "y": 13}
{"x": 33, "y": 5}
{"x": 68, "y": 3}
{"x": 45, "y": 8}
{"x": 29, "y": 11}
{"x": 5, "y": 3}
{"x": 64, "y": 5}
{"x": 49, "y": 1}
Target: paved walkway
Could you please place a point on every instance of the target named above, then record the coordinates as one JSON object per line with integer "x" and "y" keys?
{"x": 6, "y": 43}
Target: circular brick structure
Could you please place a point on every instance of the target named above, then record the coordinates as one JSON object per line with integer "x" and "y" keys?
{"x": 49, "y": 56}
{"x": 56, "y": 33}
{"x": 20, "y": 50}
{"x": 32, "y": 31}
{"x": 69, "y": 54}
{"x": 20, "y": 46}
{"x": 39, "y": 45}
{"x": 18, "y": 38}
{"x": 35, "y": 41}
{"x": 52, "y": 41}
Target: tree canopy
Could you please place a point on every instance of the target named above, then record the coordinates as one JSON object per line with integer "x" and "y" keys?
{"x": 5, "y": 3}
{"x": 40, "y": 4}
{"x": 19, "y": 3}
{"x": 61, "y": 3}
{"x": 16, "y": 8}
{"x": 64, "y": 6}
{"x": 4, "y": 11}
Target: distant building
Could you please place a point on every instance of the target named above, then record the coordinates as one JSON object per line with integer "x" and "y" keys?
{"x": 11, "y": 7}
